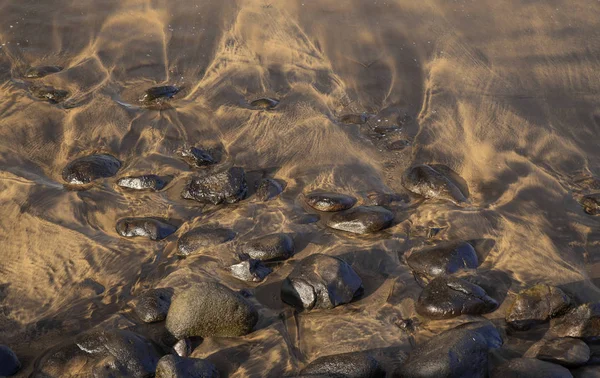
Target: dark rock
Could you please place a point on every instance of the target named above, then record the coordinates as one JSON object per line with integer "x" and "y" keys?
{"x": 228, "y": 186}
{"x": 586, "y": 372}
{"x": 202, "y": 237}
{"x": 591, "y": 203}
{"x": 384, "y": 130}
{"x": 153, "y": 305}
{"x": 265, "y": 103}
{"x": 362, "y": 219}
{"x": 458, "y": 352}
{"x": 582, "y": 322}
{"x": 357, "y": 119}
{"x": 157, "y": 93}
{"x": 398, "y": 145}
{"x": 50, "y": 94}
{"x": 250, "y": 270}
{"x": 321, "y": 281}
{"x": 443, "y": 259}
{"x": 153, "y": 229}
{"x": 270, "y": 247}
{"x": 346, "y": 365}
{"x": 535, "y": 305}
{"x": 449, "y": 297}
{"x": 564, "y": 351}
{"x": 210, "y": 309}
{"x": 86, "y": 169}
{"x": 268, "y": 189}
{"x": 41, "y": 71}
{"x": 325, "y": 201}
{"x": 183, "y": 347}
{"x": 142, "y": 182}
{"x": 530, "y": 368}
{"x": 180, "y": 367}
{"x": 197, "y": 157}
{"x": 114, "y": 353}
{"x": 436, "y": 181}
{"x": 9, "y": 363}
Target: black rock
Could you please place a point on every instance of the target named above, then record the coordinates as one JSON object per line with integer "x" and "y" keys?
{"x": 228, "y": 186}
{"x": 535, "y": 305}
{"x": 197, "y": 157}
{"x": 86, "y": 169}
{"x": 267, "y": 189}
{"x": 9, "y": 363}
{"x": 398, "y": 145}
{"x": 346, "y": 365}
{"x": 265, "y": 103}
{"x": 321, "y": 281}
{"x": 250, "y": 270}
{"x": 202, "y": 237}
{"x": 153, "y": 229}
{"x": 179, "y": 367}
{"x": 565, "y": 351}
{"x": 142, "y": 182}
{"x": 153, "y": 305}
{"x": 50, "y": 94}
{"x": 326, "y": 201}
{"x": 458, "y": 352}
{"x": 270, "y": 247}
{"x": 443, "y": 259}
{"x": 436, "y": 181}
{"x": 362, "y": 219}
{"x": 156, "y": 93}
{"x": 449, "y": 297}
{"x": 530, "y": 368}
{"x": 591, "y": 203}
{"x": 113, "y": 353}
{"x": 210, "y": 309}
{"x": 41, "y": 71}
{"x": 357, "y": 119}
{"x": 582, "y": 322}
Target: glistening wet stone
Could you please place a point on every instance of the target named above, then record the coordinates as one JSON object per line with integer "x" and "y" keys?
{"x": 153, "y": 305}
{"x": 269, "y": 247}
{"x": 160, "y": 92}
{"x": 143, "y": 182}
{"x": 228, "y": 186}
{"x": 591, "y": 203}
{"x": 50, "y": 94}
{"x": 357, "y": 119}
{"x": 535, "y": 305}
{"x": 443, "y": 259}
{"x": 267, "y": 189}
{"x": 347, "y": 365}
{"x": 250, "y": 270}
{"x": 582, "y": 322}
{"x": 328, "y": 201}
{"x": 565, "y": 351}
{"x": 265, "y": 103}
{"x": 86, "y": 169}
{"x": 179, "y": 367}
{"x": 151, "y": 228}
{"x": 436, "y": 181}
{"x": 202, "y": 237}
{"x": 197, "y": 157}
{"x": 361, "y": 219}
{"x": 41, "y": 71}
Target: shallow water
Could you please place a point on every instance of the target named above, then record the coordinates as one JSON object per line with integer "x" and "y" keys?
{"x": 506, "y": 93}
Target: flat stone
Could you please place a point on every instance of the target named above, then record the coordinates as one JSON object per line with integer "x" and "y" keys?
{"x": 347, "y": 365}
{"x": 202, "y": 237}
{"x": 443, "y": 259}
{"x": 265, "y": 103}
{"x": 228, "y": 186}
{"x": 180, "y": 367}
{"x": 564, "y": 351}
{"x": 436, "y": 181}
{"x": 270, "y": 247}
{"x": 535, "y": 305}
{"x": 86, "y": 169}
{"x": 9, "y": 363}
{"x": 530, "y": 368}
{"x": 153, "y": 305}
{"x": 362, "y": 219}
{"x": 267, "y": 189}
{"x": 153, "y": 229}
{"x": 143, "y": 182}
{"x": 197, "y": 157}
{"x": 327, "y": 201}
{"x": 581, "y": 322}
{"x": 250, "y": 270}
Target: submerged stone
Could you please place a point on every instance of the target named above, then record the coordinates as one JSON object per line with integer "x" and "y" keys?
{"x": 581, "y": 322}
{"x": 436, "y": 181}
{"x": 143, "y": 182}
{"x": 179, "y": 367}
{"x": 347, "y": 365}
{"x": 530, "y": 368}
{"x": 591, "y": 203}
{"x": 357, "y": 119}
{"x": 321, "y": 281}
{"x": 202, "y": 237}
{"x": 208, "y": 309}
{"x": 265, "y": 103}
{"x": 398, "y": 145}
{"x": 153, "y": 229}
{"x": 267, "y": 189}
{"x": 565, "y": 351}
{"x": 50, "y": 94}
{"x": 41, "y": 71}
{"x": 270, "y": 247}
{"x": 362, "y": 219}
{"x": 160, "y": 92}
{"x": 228, "y": 186}
{"x": 9, "y": 363}
{"x": 449, "y": 297}
{"x": 443, "y": 259}
{"x": 327, "y": 201}
{"x": 86, "y": 169}
{"x": 153, "y": 305}
{"x": 535, "y": 305}
{"x": 250, "y": 270}
{"x": 197, "y": 157}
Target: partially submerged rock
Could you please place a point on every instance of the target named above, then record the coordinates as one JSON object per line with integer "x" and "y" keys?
{"x": 179, "y": 367}
{"x": 591, "y": 203}
{"x": 155, "y": 94}
{"x": 458, "y": 352}
{"x": 530, "y": 368}
{"x": 443, "y": 259}
{"x": 250, "y": 270}
{"x": 151, "y": 228}
{"x": 581, "y": 322}
{"x": 362, "y": 219}
{"x": 265, "y": 103}
{"x": 41, "y": 71}
{"x": 436, "y": 181}
{"x": 153, "y": 305}
{"x": 50, "y": 94}
{"x": 210, "y": 309}
{"x": 270, "y": 247}
{"x": 328, "y": 201}
{"x": 398, "y": 145}
{"x": 267, "y": 189}
{"x": 565, "y": 351}
{"x": 9, "y": 363}
{"x": 202, "y": 237}
{"x": 321, "y": 281}
{"x": 86, "y": 169}
{"x": 228, "y": 186}
{"x": 449, "y": 297}
{"x": 535, "y": 305}
{"x": 347, "y": 365}
{"x": 357, "y": 119}
{"x": 143, "y": 182}
{"x": 197, "y": 157}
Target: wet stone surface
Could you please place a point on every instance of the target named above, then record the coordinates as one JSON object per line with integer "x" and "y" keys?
{"x": 155, "y": 94}
{"x": 565, "y": 351}
{"x": 268, "y": 189}
{"x": 356, "y": 119}
{"x": 530, "y": 368}
{"x": 265, "y": 103}
{"x": 202, "y": 237}
{"x": 535, "y": 305}
{"x": 197, "y": 157}
{"x": 443, "y": 259}
{"x": 86, "y": 169}
{"x": 151, "y": 228}
{"x": 582, "y": 322}
{"x": 362, "y": 220}
{"x": 41, "y": 71}
{"x": 143, "y": 182}
{"x": 180, "y": 367}
{"x": 591, "y": 203}
{"x": 329, "y": 202}
{"x": 50, "y": 94}
{"x": 153, "y": 305}
{"x": 250, "y": 270}
{"x": 350, "y": 365}
{"x": 269, "y": 247}
{"x": 436, "y": 181}
{"x": 228, "y": 186}
{"x": 9, "y": 363}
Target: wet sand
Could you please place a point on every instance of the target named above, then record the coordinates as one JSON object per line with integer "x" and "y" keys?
{"x": 506, "y": 94}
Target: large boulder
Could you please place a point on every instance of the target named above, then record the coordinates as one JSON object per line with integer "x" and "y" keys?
{"x": 228, "y": 186}
{"x": 321, "y": 281}
{"x": 536, "y": 304}
{"x": 210, "y": 309}
{"x": 449, "y": 297}
{"x": 458, "y": 352}
{"x": 151, "y": 228}
{"x": 9, "y": 363}
{"x": 86, "y": 169}
{"x": 202, "y": 237}
{"x": 346, "y": 365}
{"x": 443, "y": 259}
{"x": 436, "y": 181}
{"x": 581, "y": 322}
{"x": 153, "y": 305}
{"x": 269, "y": 247}
{"x": 179, "y": 367}
{"x": 362, "y": 219}
{"x": 327, "y": 201}
{"x": 530, "y": 368}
